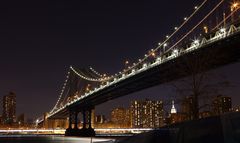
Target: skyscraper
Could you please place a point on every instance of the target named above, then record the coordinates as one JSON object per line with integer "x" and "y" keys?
{"x": 9, "y": 108}
{"x": 173, "y": 109}
{"x": 147, "y": 114}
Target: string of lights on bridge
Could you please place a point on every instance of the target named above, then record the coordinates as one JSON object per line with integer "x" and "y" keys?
{"x": 220, "y": 34}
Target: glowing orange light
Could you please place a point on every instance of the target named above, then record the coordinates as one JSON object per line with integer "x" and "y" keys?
{"x": 234, "y": 6}
{"x": 153, "y": 54}
{"x": 205, "y": 29}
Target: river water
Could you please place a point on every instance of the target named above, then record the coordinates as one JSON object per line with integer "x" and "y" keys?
{"x": 51, "y": 139}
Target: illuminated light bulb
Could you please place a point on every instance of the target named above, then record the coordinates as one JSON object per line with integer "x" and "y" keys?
{"x": 185, "y": 18}
{"x": 153, "y": 54}
{"x": 167, "y": 36}
{"x": 159, "y": 44}
{"x": 165, "y": 45}
{"x": 175, "y": 51}
{"x": 222, "y": 30}
{"x": 205, "y": 29}
{"x": 196, "y": 7}
{"x": 235, "y": 4}
{"x": 175, "y": 28}
{"x": 196, "y": 41}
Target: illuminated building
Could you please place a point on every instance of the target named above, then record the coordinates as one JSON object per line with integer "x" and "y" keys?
{"x": 173, "y": 110}
{"x": 9, "y": 108}
{"x": 236, "y": 109}
{"x": 204, "y": 114}
{"x": 187, "y": 107}
{"x": 174, "y": 116}
{"x": 54, "y": 123}
{"x": 100, "y": 119}
{"x": 120, "y": 117}
{"x": 147, "y": 114}
{"x": 222, "y": 104}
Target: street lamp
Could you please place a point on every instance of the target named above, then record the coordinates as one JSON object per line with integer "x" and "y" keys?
{"x": 126, "y": 63}
{"x": 205, "y": 28}
{"x": 37, "y": 123}
{"x": 153, "y": 54}
{"x": 234, "y": 6}
{"x": 164, "y": 46}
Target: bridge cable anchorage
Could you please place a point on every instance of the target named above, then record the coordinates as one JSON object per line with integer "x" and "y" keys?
{"x": 190, "y": 31}
{"x": 169, "y": 37}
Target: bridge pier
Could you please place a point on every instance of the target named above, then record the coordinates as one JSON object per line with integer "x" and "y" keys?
{"x": 87, "y": 132}
{"x": 73, "y": 119}
{"x": 84, "y": 131}
{"x": 90, "y": 131}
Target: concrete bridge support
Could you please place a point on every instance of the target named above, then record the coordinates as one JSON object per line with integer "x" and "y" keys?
{"x": 84, "y": 131}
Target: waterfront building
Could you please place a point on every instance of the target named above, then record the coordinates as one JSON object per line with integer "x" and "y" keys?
{"x": 147, "y": 114}
{"x": 9, "y": 108}
{"x": 120, "y": 117}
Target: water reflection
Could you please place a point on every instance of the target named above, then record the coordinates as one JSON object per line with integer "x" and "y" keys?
{"x": 51, "y": 139}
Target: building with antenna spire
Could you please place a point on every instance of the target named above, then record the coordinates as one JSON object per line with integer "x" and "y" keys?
{"x": 173, "y": 109}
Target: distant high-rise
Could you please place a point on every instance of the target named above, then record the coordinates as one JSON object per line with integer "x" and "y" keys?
{"x": 187, "y": 107}
{"x": 121, "y": 117}
{"x": 147, "y": 114}
{"x": 9, "y": 108}
{"x": 222, "y": 104}
{"x": 118, "y": 115}
{"x": 173, "y": 109}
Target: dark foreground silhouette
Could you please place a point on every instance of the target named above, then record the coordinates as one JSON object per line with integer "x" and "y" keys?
{"x": 219, "y": 129}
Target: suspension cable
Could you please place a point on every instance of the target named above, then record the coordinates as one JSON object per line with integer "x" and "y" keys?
{"x": 159, "y": 46}
{"x": 195, "y": 26}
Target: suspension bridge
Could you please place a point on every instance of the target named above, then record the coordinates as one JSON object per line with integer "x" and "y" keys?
{"x": 215, "y": 46}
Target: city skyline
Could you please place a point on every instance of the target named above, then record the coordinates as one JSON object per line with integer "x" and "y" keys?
{"x": 47, "y": 45}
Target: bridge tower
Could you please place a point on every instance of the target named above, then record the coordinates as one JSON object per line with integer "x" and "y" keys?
{"x": 87, "y": 129}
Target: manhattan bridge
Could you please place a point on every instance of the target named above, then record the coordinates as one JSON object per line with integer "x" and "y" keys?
{"x": 195, "y": 38}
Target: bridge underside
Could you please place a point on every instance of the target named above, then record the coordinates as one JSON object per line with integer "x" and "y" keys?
{"x": 215, "y": 55}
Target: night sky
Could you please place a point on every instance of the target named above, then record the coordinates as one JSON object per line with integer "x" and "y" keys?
{"x": 39, "y": 40}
